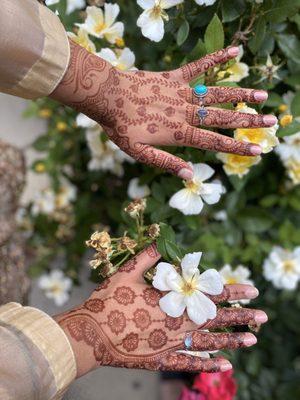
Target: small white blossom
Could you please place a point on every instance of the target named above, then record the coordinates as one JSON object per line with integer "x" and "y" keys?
{"x": 221, "y": 215}
{"x": 282, "y": 268}
{"x": 56, "y": 286}
{"x": 289, "y": 149}
{"x": 51, "y": 2}
{"x": 190, "y": 200}
{"x": 102, "y": 24}
{"x": 85, "y": 122}
{"x": 236, "y": 71}
{"x": 151, "y": 21}
{"x": 189, "y": 290}
{"x": 137, "y": 191}
{"x": 239, "y": 275}
{"x": 205, "y": 2}
{"x": 123, "y": 59}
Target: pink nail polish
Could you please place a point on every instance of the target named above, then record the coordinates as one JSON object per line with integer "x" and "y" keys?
{"x": 233, "y": 51}
{"x": 225, "y": 366}
{"x": 251, "y": 292}
{"x": 249, "y": 340}
{"x": 260, "y": 95}
{"x": 186, "y": 174}
{"x": 260, "y": 317}
{"x": 269, "y": 120}
{"x": 255, "y": 149}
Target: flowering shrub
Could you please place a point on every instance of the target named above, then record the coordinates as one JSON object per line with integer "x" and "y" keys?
{"x": 249, "y": 216}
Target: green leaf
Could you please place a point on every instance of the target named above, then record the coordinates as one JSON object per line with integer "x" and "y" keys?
{"x": 259, "y": 35}
{"x": 183, "y": 32}
{"x": 290, "y": 46}
{"x": 255, "y": 220}
{"x": 295, "y": 106}
{"x": 198, "y": 51}
{"x": 274, "y": 100}
{"x": 231, "y": 10}
{"x": 214, "y": 35}
{"x": 294, "y": 127}
{"x": 281, "y": 10}
{"x": 166, "y": 244}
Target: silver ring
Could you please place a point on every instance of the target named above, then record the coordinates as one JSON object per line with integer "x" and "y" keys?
{"x": 188, "y": 341}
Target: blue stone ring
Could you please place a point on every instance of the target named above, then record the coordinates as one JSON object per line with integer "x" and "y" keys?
{"x": 200, "y": 91}
{"x": 188, "y": 341}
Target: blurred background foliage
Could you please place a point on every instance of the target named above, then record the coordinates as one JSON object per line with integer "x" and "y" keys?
{"x": 262, "y": 208}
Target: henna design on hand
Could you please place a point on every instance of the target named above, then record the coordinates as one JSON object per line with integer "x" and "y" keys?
{"x": 121, "y": 325}
{"x": 141, "y": 110}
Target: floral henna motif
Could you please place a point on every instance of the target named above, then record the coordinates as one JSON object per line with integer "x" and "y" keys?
{"x": 124, "y": 295}
{"x": 157, "y": 339}
{"x": 116, "y": 321}
{"x": 94, "y": 305}
{"x": 139, "y": 109}
{"x": 128, "y": 266}
{"x": 173, "y": 324}
{"x": 131, "y": 342}
{"x": 142, "y": 319}
{"x": 151, "y": 297}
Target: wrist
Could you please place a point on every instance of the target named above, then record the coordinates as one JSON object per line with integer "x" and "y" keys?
{"x": 85, "y": 360}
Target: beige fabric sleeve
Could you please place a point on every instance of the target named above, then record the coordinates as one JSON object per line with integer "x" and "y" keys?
{"x": 36, "y": 358}
{"x": 34, "y": 49}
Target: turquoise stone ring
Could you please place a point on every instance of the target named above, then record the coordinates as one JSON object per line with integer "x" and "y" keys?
{"x": 188, "y": 341}
{"x": 200, "y": 90}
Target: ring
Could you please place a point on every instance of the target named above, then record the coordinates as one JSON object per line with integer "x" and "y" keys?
{"x": 188, "y": 341}
{"x": 200, "y": 91}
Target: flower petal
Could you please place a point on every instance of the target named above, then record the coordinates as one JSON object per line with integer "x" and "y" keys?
{"x": 202, "y": 172}
{"x": 165, "y": 4}
{"x": 152, "y": 28}
{"x": 210, "y": 282}
{"x": 187, "y": 202}
{"x": 172, "y": 304}
{"x": 108, "y": 55}
{"x": 111, "y": 13}
{"x": 146, "y": 4}
{"x": 211, "y": 192}
{"x": 200, "y": 308}
{"x": 189, "y": 264}
{"x": 166, "y": 278}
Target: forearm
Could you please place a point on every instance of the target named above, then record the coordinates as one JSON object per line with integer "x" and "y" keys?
{"x": 85, "y": 83}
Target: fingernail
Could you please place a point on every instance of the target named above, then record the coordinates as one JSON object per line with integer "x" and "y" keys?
{"x": 225, "y": 366}
{"x": 233, "y": 51}
{"x": 255, "y": 149}
{"x": 260, "y": 317}
{"x": 186, "y": 174}
{"x": 260, "y": 95}
{"x": 249, "y": 340}
{"x": 251, "y": 292}
{"x": 269, "y": 120}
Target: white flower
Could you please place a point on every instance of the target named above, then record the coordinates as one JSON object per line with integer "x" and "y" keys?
{"x": 103, "y": 25}
{"x": 237, "y": 71}
{"x": 239, "y": 275}
{"x": 265, "y": 137}
{"x": 282, "y": 268}
{"x": 85, "y": 122}
{"x": 189, "y": 200}
{"x": 47, "y": 201}
{"x": 105, "y": 155}
{"x": 234, "y": 164}
{"x": 221, "y": 215}
{"x": 51, "y": 2}
{"x": 290, "y": 148}
{"x": 189, "y": 290}
{"x": 151, "y": 21}
{"x": 56, "y": 286}
{"x": 137, "y": 191}
{"x": 73, "y": 5}
{"x": 205, "y": 2}
{"x": 124, "y": 59}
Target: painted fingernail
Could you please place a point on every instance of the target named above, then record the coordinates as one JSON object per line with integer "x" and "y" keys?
{"x": 260, "y": 95}
{"x": 225, "y": 366}
{"x": 260, "y": 317}
{"x": 233, "y": 51}
{"x": 186, "y": 174}
{"x": 251, "y": 292}
{"x": 269, "y": 120}
{"x": 255, "y": 149}
{"x": 249, "y": 340}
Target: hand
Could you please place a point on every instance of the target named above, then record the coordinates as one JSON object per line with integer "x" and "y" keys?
{"x": 139, "y": 110}
{"x": 121, "y": 325}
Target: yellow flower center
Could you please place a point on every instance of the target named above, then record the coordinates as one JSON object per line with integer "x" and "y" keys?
{"x": 40, "y": 167}
{"x": 254, "y": 135}
{"x": 286, "y": 120}
{"x": 231, "y": 281}
{"x": 56, "y": 288}
{"x": 189, "y": 287}
{"x": 100, "y": 27}
{"x": 282, "y": 107}
{"x": 289, "y": 266}
{"x": 192, "y": 186}
{"x": 120, "y": 42}
{"x": 157, "y": 11}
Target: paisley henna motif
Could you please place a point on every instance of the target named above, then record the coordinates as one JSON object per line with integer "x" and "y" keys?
{"x": 140, "y": 110}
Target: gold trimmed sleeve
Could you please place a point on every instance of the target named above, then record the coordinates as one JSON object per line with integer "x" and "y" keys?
{"x": 43, "y": 354}
{"x": 34, "y": 49}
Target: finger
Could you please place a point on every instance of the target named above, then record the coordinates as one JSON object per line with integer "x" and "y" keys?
{"x": 196, "y": 68}
{"x": 137, "y": 265}
{"x": 163, "y": 160}
{"x": 208, "y": 140}
{"x": 236, "y": 292}
{"x": 187, "y": 363}
{"x": 224, "y": 94}
{"x": 217, "y": 117}
{"x": 227, "y": 317}
{"x": 206, "y": 341}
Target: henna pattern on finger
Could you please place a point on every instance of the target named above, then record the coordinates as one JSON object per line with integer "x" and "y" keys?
{"x": 202, "y": 341}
